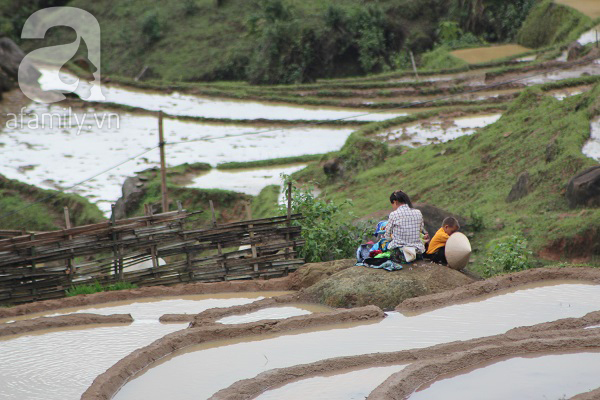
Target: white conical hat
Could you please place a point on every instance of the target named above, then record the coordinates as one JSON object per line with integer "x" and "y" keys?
{"x": 458, "y": 251}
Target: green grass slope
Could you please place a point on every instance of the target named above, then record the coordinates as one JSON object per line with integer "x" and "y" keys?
{"x": 473, "y": 175}
{"x": 550, "y": 23}
{"x": 45, "y": 208}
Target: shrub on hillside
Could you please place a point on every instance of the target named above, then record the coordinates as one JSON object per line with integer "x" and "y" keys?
{"x": 326, "y": 238}
{"x": 509, "y": 254}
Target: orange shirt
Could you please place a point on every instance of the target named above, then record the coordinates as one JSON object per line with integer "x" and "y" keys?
{"x": 439, "y": 239}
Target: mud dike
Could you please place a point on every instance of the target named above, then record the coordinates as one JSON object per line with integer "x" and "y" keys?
{"x": 554, "y": 312}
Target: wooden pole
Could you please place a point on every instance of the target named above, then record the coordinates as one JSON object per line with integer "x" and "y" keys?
{"x": 219, "y": 246}
{"x": 414, "y": 65}
{"x": 289, "y": 217}
{"x": 251, "y": 234}
{"x": 70, "y": 265}
{"x": 163, "y": 167}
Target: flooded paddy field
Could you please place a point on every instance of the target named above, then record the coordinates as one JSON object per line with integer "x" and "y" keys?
{"x": 556, "y": 376}
{"x": 351, "y": 385}
{"x": 175, "y": 376}
{"x": 181, "y": 104}
{"x": 478, "y": 55}
{"x": 38, "y": 142}
{"x": 437, "y": 130}
{"x": 291, "y": 310}
{"x": 592, "y": 146}
{"x": 153, "y": 308}
{"x": 590, "y": 8}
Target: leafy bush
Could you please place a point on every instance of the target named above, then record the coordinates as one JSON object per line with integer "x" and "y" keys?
{"x": 476, "y": 221}
{"x": 440, "y": 58}
{"x": 325, "y": 237}
{"x": 151, "y": 27}
{"x": 97, "y": 287}
{"x": 509, "y": 254}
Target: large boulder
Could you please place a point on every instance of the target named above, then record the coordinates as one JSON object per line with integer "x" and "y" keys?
{"x": 361, "y": 286}
{"x": 133, "y": 192}
{"x": 309, "y": 274}
{"x": 574, "y": 51}
{"x": 584, "y": 188}
{"x": 11, "y": 57}
{"x": 433, "y": 217}
{"x": 521, "y": 188}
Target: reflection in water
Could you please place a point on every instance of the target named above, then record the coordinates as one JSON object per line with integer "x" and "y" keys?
{"x": 427, "y": 132}
{"x": 177, "y": 377}
{"x": 52, "y": 153}
{"x": 355, "y": 385}
{"x": 292, "y": 310}
{"x": 192, "y": 106}
{"x": 61, "y": 365}
{"x": 559, "y": 376}
{"x": 592, "y": 146}
{"x": 249, "y": 181}
{"x": 153, "y": 308}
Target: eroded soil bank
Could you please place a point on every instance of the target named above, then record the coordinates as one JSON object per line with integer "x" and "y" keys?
{"x": 63, "y": 321}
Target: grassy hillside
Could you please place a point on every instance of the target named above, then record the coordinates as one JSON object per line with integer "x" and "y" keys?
{"x": 550, "y": 23}
{"x": 473, "y": 175}
{"x": 47, "y": 213}
{"x": 267, "y": 41}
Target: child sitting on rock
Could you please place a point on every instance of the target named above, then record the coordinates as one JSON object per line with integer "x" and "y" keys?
{"x": 436, "y": 251}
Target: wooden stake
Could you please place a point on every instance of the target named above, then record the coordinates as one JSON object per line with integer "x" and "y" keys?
{"x": 70, "y": 266}
{"x": 289, "y": 218}
{"x": 251, "y": 233}
{"x": 163, "y": 167}
{"x": 414, "y": 65}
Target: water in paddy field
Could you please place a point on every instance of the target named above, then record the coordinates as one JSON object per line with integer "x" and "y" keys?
{"x": 54, "y": 153}
{"x": 592, "y": 146}
{"x": 61, "y": 365}
{"x": 557, "y": 376}
{"x": 590, "y": 8}
{"x": 590, "y": 36}
{"x": 180, "y": 104}
{"x": 291, "y": 310}
{"x": 553, "y": 76}
{"x": 437, "y": 131}
{"x": 250, "y": 181}
{"x": 176, "y": 377}
{"x": 484, "y": 54}
{"x": 354, "y": 385}
{"x": 153, "y": 308}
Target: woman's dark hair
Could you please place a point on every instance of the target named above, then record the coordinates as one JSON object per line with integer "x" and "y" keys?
{"x": 400, "y": 197}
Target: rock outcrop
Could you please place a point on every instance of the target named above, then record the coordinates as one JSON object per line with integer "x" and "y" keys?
{"x": 133, "y": 192}
{"x": 583, "y": 189}
{"x": 11, "y": 57}
{"x": 521, "y": 188}
{"x": 358, "y": 286}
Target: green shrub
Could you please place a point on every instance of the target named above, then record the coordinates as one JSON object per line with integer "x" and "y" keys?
{"x": 96, "y": 287}
{"x": 326, "y": 238}
{"x": 509, "y": 254}
{"x": 476, "y": 221}
{"x": 440, "y": 58}
{"x": 151, "y": 27}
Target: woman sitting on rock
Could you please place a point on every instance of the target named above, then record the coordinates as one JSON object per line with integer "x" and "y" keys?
{"x": 404, "y": 228}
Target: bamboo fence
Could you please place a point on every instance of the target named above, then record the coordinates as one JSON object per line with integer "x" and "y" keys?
{"x": 39, "y": 266}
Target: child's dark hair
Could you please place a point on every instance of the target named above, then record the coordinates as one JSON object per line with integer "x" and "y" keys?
{"x": 400, "y": 197}
{"x": 451, "y": 222}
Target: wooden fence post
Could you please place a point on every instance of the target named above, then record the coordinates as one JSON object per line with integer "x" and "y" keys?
{"x": 221, "y": 263}
{"x": 163, "y": 164}
{"x": 289, "y": 218}
{"x": 70, "y": 264}
{"x": 33, "y": 281}
{"x": 251, "y": 234}
{"x": 118, "y": 261}
{"x": 148, "y": 213}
